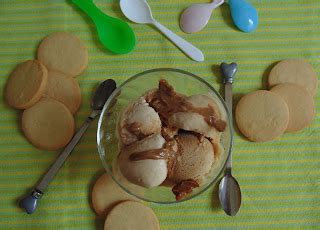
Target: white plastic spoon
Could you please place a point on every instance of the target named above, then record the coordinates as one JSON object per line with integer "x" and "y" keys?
{"x": 196, "y": 17}
{"x": 139, "y": 11}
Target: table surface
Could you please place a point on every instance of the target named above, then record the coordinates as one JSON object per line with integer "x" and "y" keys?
{"x": 279, "y": 179}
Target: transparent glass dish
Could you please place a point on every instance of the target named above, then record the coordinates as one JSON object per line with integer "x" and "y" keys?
{"x": 108, "y": 141}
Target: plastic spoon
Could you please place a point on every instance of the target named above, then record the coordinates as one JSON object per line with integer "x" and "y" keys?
{"x": 115, "y": 34}
{"x": 139, "y": 11}
{"x": 196, "y": 17}
{"x": 244, "y": 15}
{"x": 103, "y": 92}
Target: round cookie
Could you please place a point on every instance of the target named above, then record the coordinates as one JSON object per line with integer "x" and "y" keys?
{"x": 106, "y": 194}
{"x": 26, "y": 84}
{"x": 133, "y": 214}
{"x": 294, "y": 71}
{"x": 300, "y": 104}
{"x": 48, "y": 124}
{"x": 65, "y": 89}
{"x": 262, "y": 116}
{"x": 63, "y": 52}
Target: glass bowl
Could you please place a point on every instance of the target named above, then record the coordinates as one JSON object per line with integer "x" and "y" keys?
{"x": 108, "y": 141}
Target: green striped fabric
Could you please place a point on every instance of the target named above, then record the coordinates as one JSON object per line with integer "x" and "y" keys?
{"x": 280, "y": 180}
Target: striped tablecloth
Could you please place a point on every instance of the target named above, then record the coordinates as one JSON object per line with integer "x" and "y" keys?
{"x": 280, "y": 180}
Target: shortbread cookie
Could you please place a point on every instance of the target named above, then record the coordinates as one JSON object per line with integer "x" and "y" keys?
{"x": 294, "y": 71}
{"x": 300, "y": 104}
{"x": 262, "y": 116}
{"x": 106, "y": 194}
{"x": 131, "y": 215}
{"x": 48, "y": 124}
{"x": 63, "y": 52}
{"x": 65, "y": 89}
{"x": 26, "y": 84}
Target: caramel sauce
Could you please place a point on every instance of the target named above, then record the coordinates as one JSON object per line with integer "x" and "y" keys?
{"x": 133, "y": 128}
{"x": 184, "y": 187}
{"x": 167, "y": 102}
{"x": 155, "y": 154}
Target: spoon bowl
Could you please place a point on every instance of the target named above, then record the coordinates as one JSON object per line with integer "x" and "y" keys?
{"x": 244, "y": 15}
{"x": 230, "y": 195}
{"x": 196, "y": 17}
{"x": 114, "y": 34}
{"x": 137, "y": 11}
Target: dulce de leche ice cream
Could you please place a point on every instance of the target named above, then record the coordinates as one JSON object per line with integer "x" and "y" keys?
{"x": 167, "y": 138}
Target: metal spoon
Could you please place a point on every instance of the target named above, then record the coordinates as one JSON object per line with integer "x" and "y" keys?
{"x": 196, "y": 17}
{"x": 103, "y": 92}
{"x": 229, "y": 189}
{"x": 139, "y": 11}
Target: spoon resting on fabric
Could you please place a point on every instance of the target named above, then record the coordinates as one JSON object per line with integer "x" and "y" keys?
{"x": 244, "y": 15}
{"x": 139, "y": 11}
{"x": 114, "y": 34}
{"x": 229, "y": 189}
{"x": 196, "y": 17}
{"x": 103, "y": 92}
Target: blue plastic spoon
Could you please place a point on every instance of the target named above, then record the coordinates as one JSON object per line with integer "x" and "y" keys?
{"x": 244, "y": 15}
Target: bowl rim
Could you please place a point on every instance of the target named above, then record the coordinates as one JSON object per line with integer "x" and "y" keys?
{"x": 118, "y": 90}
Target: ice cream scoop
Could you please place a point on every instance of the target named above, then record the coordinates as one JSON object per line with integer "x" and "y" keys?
{"x": 194, "y": 158}
{"x": 138, "y": 120}
{"x": 147, "y": 173}
{"x": 194, "y": 121}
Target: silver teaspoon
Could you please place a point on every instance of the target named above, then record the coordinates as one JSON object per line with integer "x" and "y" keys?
{"x": 103, "y": 92}
{"x": 229, "y": 189}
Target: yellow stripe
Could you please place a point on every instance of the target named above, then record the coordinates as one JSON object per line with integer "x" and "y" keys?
{"x": 266, "y": 162}
{"x": 294, "y": 197}
{"x": 281, "y": 185}
{"x": 275, "y": 40}
{"x": 12, "y": 5}
{"x": 151, "y": 54}
{"x": 87, "y": 38}
{"x": 56, "y": 207}
{"x": 270, "y": 174}
{"x": 191, "y": 212}
{"x": 75, "y": 17}
{"x": 257, "y": 198}
{"x": 214, "y": 224}
{"x": 46, "y": 160}
{"x": 284, "y": 149}
{"x": 44, "y": 220}
{"x": 84, "y": 26}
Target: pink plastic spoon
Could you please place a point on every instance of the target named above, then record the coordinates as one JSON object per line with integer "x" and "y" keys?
{"x": 196, "y": 17}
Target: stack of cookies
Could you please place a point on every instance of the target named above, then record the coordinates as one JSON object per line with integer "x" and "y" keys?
{"x": 48, "y": 92}
{"x": 119, "y": 209}
{"x": 288, "y": 106}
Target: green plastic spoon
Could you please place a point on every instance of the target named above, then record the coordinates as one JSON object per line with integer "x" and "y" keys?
{"x": 115, "y": 34}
